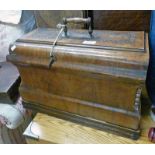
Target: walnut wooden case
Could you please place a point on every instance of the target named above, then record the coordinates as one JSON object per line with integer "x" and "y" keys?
{"x": 94, "y": 81}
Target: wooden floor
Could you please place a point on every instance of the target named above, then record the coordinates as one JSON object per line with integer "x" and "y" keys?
{"x": 53, "y": 130}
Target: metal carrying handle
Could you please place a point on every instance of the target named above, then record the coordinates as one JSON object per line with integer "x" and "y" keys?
{"x": 77, "y": 20}
{"x": 63, "y": 28}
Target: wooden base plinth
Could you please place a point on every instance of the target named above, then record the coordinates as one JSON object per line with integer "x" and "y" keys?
{"x": 100, "y": 125}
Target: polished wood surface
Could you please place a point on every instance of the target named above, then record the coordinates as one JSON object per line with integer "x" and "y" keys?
{"x": 100, "y": 82}
{"x": 53, "y": 130}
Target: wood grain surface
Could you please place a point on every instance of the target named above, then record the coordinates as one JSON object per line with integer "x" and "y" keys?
{"x": 124, "y": 20}
{"x": 53, "y": 130}
{"x": 90, "y": 81}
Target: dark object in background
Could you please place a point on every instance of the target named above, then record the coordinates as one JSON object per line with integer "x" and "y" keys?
{"x": 151, "y": 134}
{"x": 138, "y": 20}
{"x": 123, "y": 20}
{"x": 50, "y": 18}
{"x": 151, "y": 69}
{"x": 27, "y": 21}
{"x": 9, "y": 83}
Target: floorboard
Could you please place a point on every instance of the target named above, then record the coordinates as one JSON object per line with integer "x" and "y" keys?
{"x": 53, "y": 130}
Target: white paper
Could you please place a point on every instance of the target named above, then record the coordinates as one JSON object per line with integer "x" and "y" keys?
{"x": 89, "y": 42}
